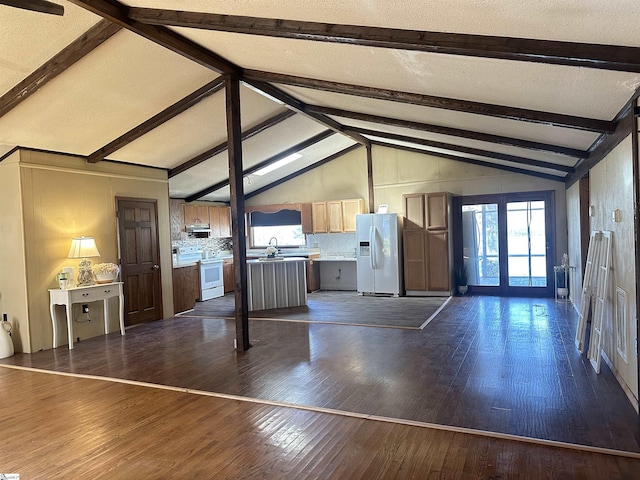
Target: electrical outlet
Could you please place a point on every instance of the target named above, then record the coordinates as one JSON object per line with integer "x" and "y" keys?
{"x": 85, "y": 308}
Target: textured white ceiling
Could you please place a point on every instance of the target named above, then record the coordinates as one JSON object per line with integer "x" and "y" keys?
{"x": 590, "y": 21}
{"x": 129, "y": 79}
{"x": 195, "y": 131}
{"x": 28, "y": 40}
{"x": 119, "y": 85}
{"x": 552, "y": 88}
{"x": 254, "y": 150}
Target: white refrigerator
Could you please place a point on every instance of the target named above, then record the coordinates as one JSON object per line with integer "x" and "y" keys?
{"x": 379, "y": 261}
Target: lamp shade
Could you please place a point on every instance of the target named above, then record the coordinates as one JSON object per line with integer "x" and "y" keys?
{"x": 83, "y": 247}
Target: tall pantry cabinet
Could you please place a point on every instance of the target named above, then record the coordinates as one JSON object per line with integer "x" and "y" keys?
{"x": 427, "y": 244}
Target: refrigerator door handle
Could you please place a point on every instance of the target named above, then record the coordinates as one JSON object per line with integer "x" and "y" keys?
{"x": 372, "y": 242}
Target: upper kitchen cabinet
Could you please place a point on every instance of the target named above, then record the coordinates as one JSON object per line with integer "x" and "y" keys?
{"x": 414, "y": 211}
{"x": 351, "y": 208}
{"x": 220, "y": 221}
{"x": 334, "y": 216}
{"x": 319, "y": 215}
{"x": 306, "y": 217}
{"x": 437, "y": 205}
{"x": 196, "y": 214}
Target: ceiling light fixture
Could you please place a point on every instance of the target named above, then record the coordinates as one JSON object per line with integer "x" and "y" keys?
{"x": 275, "y": 165}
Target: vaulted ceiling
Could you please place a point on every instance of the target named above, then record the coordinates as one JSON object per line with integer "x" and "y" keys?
{"x": 532, "y": 87}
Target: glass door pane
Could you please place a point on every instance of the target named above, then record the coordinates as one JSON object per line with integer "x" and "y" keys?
{"x": 526, "y": 244}
{"x": 480, "y": 249}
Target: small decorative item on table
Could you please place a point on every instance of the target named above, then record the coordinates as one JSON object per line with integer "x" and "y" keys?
{"x": 271, "y": 251}
{"x": 106, "y": 272}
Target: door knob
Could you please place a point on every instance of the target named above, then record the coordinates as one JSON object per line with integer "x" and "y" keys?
{"x": 156, "y": 267}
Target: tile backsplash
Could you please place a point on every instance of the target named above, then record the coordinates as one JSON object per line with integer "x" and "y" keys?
{"x": 328, "y": 243}
{"x": 333, "y": 243}
{"x": 216, "y": 244}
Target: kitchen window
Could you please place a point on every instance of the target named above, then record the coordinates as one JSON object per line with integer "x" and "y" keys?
{"x": 285, "y": 225}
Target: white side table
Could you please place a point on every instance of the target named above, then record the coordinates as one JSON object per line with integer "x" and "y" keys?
{"x": 88, "y": 294}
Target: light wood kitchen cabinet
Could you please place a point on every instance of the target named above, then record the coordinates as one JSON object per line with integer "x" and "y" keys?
{"x": 227, "y": 275}
{"x": 437, "y": 206}
{"x": 196, "y": 214}
{"x": 351, "y": 208}
{"x": 415, "y": 263}
{"x": 427, "y": 244}
{"x": 438, "y": 261}
{"x": 186, "y": 288}
{"x": 313, "y": 274}
{"x": 334, "y": 216}
{"x": 413, "y": 211}
{"x": 319, "y": 216}
{"x": 220, "y": 221}
{"x": 306, "y": 217}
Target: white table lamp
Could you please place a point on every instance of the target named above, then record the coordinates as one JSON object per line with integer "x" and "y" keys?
{"x": 84, "y": 247}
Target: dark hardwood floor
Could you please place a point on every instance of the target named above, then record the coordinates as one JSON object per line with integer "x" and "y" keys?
{"x": 57, "y": 426}
{"x": 486, "y": 363}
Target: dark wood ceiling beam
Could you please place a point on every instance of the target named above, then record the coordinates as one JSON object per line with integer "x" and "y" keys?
{"x": 604, "y": 145}
{"x": 117, "y": 13}
{"x": 468, "y": 150}
{"x": 466, "y": 106}
{"x": 42, "y": 6}
{"x": 293, "y": 175}
{"x": 472, "y": 161}
{"x": 221, "y": 147}
{"x": 294, "y": 149}
{"x": 608, "y": 57}
{"x": 454, "y": 132}
{"x": 279, "y": 96}
{"x": 83, "y": 45}
{"x": 157, "y": 120}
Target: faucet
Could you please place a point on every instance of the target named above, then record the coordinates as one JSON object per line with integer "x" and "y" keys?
{"x": 273, "y": 238}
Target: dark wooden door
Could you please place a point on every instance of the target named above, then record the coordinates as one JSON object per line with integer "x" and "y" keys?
{"x": 139, "y": 259}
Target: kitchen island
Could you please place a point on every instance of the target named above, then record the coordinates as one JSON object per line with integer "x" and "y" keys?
{"x": 276, "y": 283}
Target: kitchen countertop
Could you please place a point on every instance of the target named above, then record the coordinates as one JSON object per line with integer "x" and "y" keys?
{"x": 254, "y": 254}
{"x": 331, "y": 258}
{"x": 186, "y": 264}
{"x": 281, "y": 259}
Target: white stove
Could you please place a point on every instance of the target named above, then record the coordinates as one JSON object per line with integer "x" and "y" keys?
{"x": 211, "y": 278}
{"x": 188, "y": 254}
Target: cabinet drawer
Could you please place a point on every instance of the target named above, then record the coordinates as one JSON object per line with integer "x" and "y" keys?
{"x": 92, "y": 294}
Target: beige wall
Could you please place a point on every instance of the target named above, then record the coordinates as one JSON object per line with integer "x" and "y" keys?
{"x": 397, "y": 171}
{"x": 342, "y": 178}
{"x": 13, "y": 291}
{"x": 610, "y": 188}
{"x": 65, "y": 197}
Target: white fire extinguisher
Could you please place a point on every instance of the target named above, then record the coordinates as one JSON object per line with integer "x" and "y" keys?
{"x": 6, "y": 344}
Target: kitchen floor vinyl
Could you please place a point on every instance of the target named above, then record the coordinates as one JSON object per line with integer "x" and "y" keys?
{"x": 347, "y": 308}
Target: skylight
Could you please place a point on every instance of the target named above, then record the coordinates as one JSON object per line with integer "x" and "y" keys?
{"x": 275, "y": 165}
